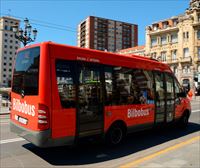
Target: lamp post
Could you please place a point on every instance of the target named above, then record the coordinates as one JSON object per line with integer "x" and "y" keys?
{"x": 25, "y": 35}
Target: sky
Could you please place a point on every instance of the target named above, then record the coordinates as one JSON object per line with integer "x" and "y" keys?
{"x": 57, "y": 20}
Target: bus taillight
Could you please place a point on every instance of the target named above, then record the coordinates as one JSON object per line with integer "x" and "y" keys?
{"x": 43, "y": 117}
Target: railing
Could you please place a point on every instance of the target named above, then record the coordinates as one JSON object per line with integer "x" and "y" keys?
{"x": 172, "y": 61}
{"x": 186, "y": 59}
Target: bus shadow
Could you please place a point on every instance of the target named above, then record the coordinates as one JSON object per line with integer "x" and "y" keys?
{"x": 92, "y": 152}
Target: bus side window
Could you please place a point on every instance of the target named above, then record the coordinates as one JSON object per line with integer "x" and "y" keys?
{"x": 65, "y": 83}
{"x": 122, "y": 85}
{"x": 142, "y": 87}
{"x": 109, "y": 85}
{"x": 177, "y": 90}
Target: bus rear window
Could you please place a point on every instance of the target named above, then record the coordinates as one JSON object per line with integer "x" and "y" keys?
{"x": 26, "y": 72}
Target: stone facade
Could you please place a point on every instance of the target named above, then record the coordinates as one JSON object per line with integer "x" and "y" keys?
{"x": 176, "y": 41}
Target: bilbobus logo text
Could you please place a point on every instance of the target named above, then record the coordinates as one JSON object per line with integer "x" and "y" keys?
{"x": 23, "y": 107}
{"x": 137, "y": 113}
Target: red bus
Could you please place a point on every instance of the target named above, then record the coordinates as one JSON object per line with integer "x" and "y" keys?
{"x": 62, "y": 93}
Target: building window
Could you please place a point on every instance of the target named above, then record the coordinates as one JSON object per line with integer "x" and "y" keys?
{"x": 5, "y": 46}
{"x": 199, "y": 52}
{"x": 198, "y": 34}
{"x": 174, "y": 38}
{"x": 163, "y": 56}
{"x": 186, "y": 52}
{"x": 6, "y": 27}
{"x": 186, "y": 69}
{"x": 11, "y": 35}
{"x": 5, "y": 40}
{"x": 6, "y": 34}
{"x": 185, "y": 35}
{"x": 198, "y": 68}
{"x": 153, "y": 55}
{"x": 11, "y": 47}
{"x": 11, "y": 41}
{"x": 155, "y": 27}
{"x": 175, "y": 22}
{"x": 153, "y": 41}
{"x": 165, "y": 25}
{"x": 5, "y": 52}
{"x": 174, "y": 53}
{"x": 163, "y": 40}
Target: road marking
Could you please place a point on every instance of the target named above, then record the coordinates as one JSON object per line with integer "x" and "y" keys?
{"x": 194, "y": 111}
{"x": 11, "y": 140}
{"x": 151, "y": 156}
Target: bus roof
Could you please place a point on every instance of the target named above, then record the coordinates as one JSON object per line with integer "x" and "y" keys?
{"x": 104, "y": 56}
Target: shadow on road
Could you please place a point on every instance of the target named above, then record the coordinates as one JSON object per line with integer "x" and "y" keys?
{"x": 92, "y": 152}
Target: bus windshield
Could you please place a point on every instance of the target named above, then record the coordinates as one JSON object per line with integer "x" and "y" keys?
{"x": 26, "y": 72}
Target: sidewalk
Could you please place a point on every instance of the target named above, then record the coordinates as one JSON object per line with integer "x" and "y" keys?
{"x": 4, "y": 110}
{"x": 196, "y": 98}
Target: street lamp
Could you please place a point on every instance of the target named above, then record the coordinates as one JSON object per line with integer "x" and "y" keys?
{"x": 25, "y": 35}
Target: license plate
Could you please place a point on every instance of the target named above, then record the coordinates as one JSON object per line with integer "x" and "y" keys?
{"x": 21, "y": 120}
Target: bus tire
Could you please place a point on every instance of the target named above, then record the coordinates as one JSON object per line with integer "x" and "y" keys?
{"x": 115, "y": 134}
{"x": 183, "y": 123}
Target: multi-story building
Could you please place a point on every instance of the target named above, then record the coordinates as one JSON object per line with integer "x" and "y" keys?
{"x": 106, "y": 35}
{"x": 138, "y": 50}
{"x": 8, "y": 48}
{"x": 176, "y": 41}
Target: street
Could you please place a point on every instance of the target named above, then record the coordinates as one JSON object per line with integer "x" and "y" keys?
{"x": 170, "y": 147}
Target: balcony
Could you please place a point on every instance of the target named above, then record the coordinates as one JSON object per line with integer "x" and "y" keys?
{"x": 186, "y": 59}
{"x": 168, "y": 29}
{"x": 198, "y": 59}
{"x": 172, "y": 61}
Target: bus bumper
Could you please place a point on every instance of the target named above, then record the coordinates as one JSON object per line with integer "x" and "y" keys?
{"x": 40, "y": 138}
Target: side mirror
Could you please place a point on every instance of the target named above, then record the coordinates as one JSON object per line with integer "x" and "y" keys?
{"x": 182, "y": 94}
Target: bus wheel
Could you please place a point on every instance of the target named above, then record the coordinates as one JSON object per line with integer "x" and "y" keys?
{"x": 115, "y": 135}
{"x": 184, "y": 120}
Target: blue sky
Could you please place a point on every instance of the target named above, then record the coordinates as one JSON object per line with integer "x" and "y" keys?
{"x": 67, "y": 14}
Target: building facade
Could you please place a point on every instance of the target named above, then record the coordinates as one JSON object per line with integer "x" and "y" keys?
{"x": 176, "y": 41}
{"x": 138, "y": 50}
{"x": 106, "y": 35}
{"x": 8, "y": 48}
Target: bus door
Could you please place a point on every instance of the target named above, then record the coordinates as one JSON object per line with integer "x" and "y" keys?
{"x": 90, "y": 106}
{"x": 159, "y": 97}
{"x": 170, "y": 98}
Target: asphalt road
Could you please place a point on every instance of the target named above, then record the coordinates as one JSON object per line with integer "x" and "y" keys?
{"x": 169, "y": 147}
